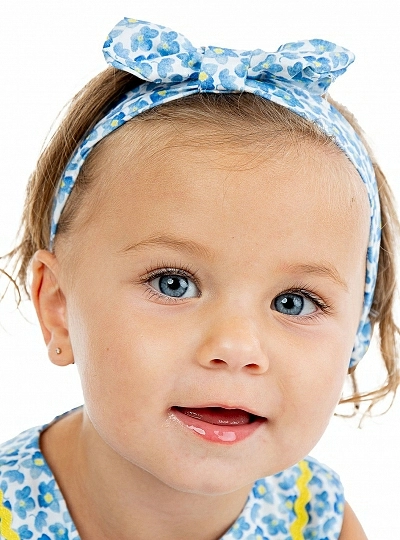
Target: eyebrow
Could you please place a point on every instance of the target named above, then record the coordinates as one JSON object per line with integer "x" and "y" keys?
{"x": 326, "y": 270}
{"x": 172, "y": 242}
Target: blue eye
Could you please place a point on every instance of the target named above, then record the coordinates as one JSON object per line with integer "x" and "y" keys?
{"x": 175, "y": 286}
{"x": 293, "y": 304}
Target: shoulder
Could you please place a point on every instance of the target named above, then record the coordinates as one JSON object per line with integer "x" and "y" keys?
{"x": 16, "y": 460}
{"x": 16, "y": 453}
{"x": 326, "y": 501}
{"x": 30, "y": 501}
{"x": 20, "y": 456}
{"x": 305, "y": 500}
{"x": 351, "y": 529}
{"x": 318, "y": 499}
{"x": 324, "y": 484}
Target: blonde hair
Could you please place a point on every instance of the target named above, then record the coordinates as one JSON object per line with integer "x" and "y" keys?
{"x": 251, "y": 116}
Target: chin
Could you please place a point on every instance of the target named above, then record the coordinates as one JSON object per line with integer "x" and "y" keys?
{"x": 213, "y": 484}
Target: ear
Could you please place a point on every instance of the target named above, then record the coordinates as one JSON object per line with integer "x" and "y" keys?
{"x": 50, "y": 305}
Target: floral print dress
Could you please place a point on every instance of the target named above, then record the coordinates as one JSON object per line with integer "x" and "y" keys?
{"x": 304, "y": 502}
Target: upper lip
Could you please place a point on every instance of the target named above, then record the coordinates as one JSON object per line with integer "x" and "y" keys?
{"x": 237, "y": 406}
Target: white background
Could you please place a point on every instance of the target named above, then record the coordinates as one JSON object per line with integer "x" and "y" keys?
{"x": 50, "y": 48}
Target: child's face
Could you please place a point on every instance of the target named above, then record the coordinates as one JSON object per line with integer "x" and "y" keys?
{"x": 228, "y": 234}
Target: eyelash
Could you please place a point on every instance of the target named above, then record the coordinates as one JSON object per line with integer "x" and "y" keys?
{"x": 188, "y": 272}
{"x": 309, "y": 292}
{"x": 162, "y": 270}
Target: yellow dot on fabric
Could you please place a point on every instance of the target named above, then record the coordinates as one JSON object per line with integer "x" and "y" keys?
{"x": 39, "y": 462}
{"x": 114, "y": 123}
{"x": 132, "y": 20}
{"x": 48, "y": 498}
{"x": 217, "y": 50}
{"x": 140, "y": 38}
{"x": 165, "y": 45}
{"x": 266, "y": 65}
{"x": 22, "y": 503}
{"x": 262, "y": 490}
{"x": 162, "y": 92}
{"x": 191, "y": 63}
{"x": 61, "y": 532}
{"x": 317, "y": 64}
{"x": 203, "y": 76}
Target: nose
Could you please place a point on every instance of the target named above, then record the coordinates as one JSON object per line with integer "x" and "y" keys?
{"x": 233, "y": 344}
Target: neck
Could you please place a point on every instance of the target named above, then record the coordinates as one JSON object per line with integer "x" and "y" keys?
{"x": 122, "y": 500}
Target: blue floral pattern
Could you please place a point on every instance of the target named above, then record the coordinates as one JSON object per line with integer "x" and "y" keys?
{"x": 296, "y": 76}
{"x": 38, "y": 511}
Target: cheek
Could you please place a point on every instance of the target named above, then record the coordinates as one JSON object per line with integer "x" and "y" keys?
{"x": 123, "y": 356}
{"x": 311, "y": 375}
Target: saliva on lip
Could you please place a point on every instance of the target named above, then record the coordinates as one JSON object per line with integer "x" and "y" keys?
{"x": 225, "y": 436}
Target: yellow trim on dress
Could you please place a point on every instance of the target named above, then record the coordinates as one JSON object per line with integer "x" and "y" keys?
{"x": 6, "y": 532}
{"x": 297, "y": 527}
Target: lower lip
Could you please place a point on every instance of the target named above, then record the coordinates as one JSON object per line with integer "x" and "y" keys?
{"x": 216, "y": 433}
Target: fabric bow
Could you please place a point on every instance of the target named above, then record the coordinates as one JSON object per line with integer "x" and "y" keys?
{"x": 157, "y": 54}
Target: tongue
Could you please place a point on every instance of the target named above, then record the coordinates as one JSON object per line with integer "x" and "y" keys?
{"x": 218, "y": 416}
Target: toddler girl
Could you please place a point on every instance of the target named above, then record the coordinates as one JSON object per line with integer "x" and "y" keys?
{"x": 204, "y": 232}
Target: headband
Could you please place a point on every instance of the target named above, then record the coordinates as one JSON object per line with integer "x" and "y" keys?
{"x": 296, "y": 76}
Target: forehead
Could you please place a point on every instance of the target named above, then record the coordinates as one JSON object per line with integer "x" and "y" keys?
{"x": 164, "y": 176}
{"x": 143, "y": 147}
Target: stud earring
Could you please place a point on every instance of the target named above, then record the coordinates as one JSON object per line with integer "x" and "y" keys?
{"x": 58, "y": 350}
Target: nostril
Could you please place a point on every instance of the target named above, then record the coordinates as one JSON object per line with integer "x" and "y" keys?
{"x": 252, "y": 366}
{"x": 217, "y": 361}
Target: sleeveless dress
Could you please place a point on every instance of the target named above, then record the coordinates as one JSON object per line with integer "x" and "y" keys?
{"x": 304, "y": 502}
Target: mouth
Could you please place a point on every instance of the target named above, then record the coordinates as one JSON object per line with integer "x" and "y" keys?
{"x": 219, "y": 424}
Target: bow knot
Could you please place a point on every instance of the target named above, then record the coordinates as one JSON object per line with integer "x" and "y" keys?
{"x": 157, "y": 54}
